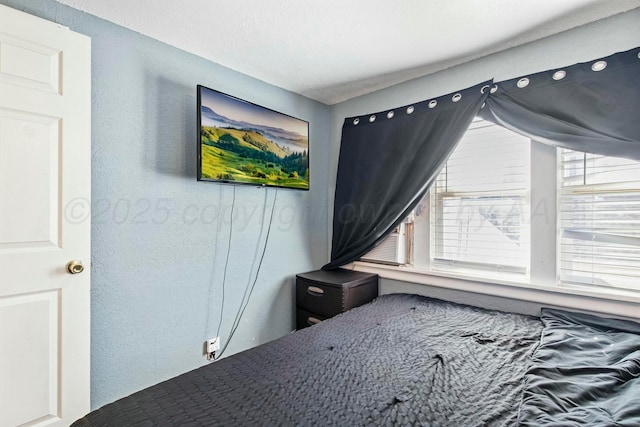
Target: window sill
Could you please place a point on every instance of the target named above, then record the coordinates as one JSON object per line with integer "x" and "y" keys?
{"x": 615, "y": 302}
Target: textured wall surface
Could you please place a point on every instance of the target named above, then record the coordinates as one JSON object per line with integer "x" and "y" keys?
{"x": 159, "y": 238}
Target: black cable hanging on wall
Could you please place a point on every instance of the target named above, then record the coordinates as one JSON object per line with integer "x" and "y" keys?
{"x": 213, "y": 270}
{"x": 226, "y": 261}
{"x": 245, "y": 302}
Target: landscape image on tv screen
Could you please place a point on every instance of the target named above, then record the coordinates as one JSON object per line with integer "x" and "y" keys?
{"x": 244, "y": 143}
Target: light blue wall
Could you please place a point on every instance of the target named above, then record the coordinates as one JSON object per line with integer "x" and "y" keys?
{"x": 159, "y": 238}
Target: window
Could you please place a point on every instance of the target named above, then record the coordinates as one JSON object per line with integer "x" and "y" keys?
{"x": 599, "y": 220}
{"x": 480, "y": 208}
{"x": 510, "y": 209}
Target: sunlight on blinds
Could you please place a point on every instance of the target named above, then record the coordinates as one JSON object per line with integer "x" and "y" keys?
{"x": 599, "y": 220}
{"x": 480, "y": 202}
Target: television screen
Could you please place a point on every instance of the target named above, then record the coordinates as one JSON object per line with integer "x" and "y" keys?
{"x": 240, "y": 142}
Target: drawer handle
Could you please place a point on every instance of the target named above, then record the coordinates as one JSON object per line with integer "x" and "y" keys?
{"x": 313, "y": 320}
{"x": 315, "y": 291}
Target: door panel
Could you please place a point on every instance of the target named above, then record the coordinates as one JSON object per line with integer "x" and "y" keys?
{"x": 29, "y": 147}
{"x": 31, "y": 332}
{"x": 29, "y": 64}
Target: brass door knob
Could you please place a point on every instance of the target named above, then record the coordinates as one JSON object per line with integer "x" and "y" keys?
{"x": 75, "y": 266}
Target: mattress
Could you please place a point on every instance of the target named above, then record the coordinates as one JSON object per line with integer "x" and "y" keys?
{"x": 400, "y": 360}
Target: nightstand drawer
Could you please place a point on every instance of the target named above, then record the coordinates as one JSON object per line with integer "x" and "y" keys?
{"x": 318, "y": 298}
{"x": 304, "y": 319}
{"x": 327, "y": 293}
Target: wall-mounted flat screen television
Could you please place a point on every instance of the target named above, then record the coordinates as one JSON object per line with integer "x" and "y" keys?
{"x": 243, "y": 143}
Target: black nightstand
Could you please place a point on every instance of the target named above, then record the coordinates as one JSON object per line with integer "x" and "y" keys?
{"x": 323, "y": 294}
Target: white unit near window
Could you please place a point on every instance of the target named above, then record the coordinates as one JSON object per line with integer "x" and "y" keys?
{"x": 392, "y": 250}
{"x": 480, "y": 203}
{"x": 599, "y": 220}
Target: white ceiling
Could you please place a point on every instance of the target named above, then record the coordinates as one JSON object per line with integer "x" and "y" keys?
{"x": 334, "y": 50}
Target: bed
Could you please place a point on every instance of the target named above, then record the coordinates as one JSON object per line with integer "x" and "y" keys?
{"x": 410, "y": 360}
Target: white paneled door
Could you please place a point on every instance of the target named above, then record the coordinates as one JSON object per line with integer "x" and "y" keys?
{"x": 45, "y": 173}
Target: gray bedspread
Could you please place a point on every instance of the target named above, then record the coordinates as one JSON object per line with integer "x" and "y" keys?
{"x": 586, "y": 372}
{"x": 401, "y": 360}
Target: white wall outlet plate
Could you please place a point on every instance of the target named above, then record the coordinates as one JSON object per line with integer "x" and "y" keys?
{"x": 211, "y": 346}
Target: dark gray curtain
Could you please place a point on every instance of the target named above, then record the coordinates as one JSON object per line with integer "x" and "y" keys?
{"x": 576, "y": 107}
{"x": 387, "y": 162}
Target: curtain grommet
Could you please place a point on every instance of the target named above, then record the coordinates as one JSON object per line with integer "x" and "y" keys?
{"x": 523, "y": 82}
{"x": 484, "y": 89}
{"x": 390, "y": 114}
{"x": 638, "y": 55}
{"x": 494, "y": 89}
{"x": 356, "y": 121}
{"x": 599, "y": 66}
{"x": 433, "y": 103}
{"x": 559, "y": 75}
{"x": 483, "y": 104}
{"x": 457, "y": 97}
{"x": 372, "y": 118}
{"x": 410, "y": 109}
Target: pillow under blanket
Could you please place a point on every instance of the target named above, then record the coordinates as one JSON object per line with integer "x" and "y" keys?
{"x": 586, "y": 371}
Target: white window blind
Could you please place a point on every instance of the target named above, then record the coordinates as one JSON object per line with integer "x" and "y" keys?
{"x": 480, "y": 206}
{"x": 599, "y": 220}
